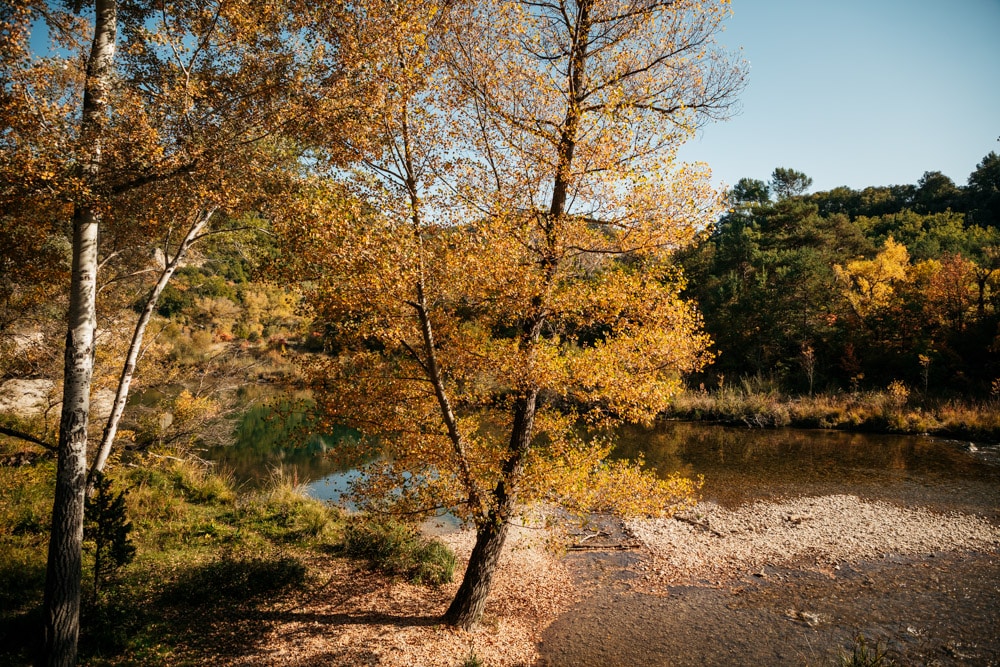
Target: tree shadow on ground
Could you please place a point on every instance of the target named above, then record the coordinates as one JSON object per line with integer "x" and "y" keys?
{"x": 228, "y": 611}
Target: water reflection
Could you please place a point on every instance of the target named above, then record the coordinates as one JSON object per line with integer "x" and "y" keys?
{"x": 283, "y": 435}
{"x": 741, "y": 464}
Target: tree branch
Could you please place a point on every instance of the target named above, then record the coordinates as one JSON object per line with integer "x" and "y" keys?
{"x": 14, "y": 433}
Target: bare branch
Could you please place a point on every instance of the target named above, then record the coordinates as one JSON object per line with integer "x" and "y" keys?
{"x": 21, "y": 435}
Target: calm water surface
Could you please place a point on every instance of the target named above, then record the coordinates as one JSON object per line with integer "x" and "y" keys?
{"x": 739, "y": 465}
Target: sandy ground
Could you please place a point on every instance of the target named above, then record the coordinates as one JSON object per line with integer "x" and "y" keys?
{"x": 712, "y": 543}
{"x": 356, "y": 617}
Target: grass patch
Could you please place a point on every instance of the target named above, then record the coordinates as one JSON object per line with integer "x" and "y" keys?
{"x": 281, "y": 512}
{"x": 893, "y": 410}
{"x": 209, "y": 560}
{"x": 398, "y": 549}
{"x": 25, "y": 510}
{"x": 206, "y": 556}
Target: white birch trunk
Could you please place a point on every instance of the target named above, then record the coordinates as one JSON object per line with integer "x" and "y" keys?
{"x": 128, "y": 370}
{"x": 62, "y": 578}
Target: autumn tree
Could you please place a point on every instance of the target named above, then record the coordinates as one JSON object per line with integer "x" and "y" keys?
{"x": 763, "y": 280}
{"x": 870, "y": 284}
{"x": 951, "y": 292}
{"x": 144, "y": 121}
{"x": 504, "y": 274}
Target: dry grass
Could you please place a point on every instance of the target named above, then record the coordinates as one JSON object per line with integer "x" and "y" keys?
{"x": 893, "y": 410}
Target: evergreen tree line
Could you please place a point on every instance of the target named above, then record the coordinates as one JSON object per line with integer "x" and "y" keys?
{"x": 846, "y": 289}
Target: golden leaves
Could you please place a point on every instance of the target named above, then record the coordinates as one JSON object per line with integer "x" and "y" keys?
{"x": 869, "y": 284}
{"x": 190, "y": 409}
{"x": 576, "y": 473}
{"x": 520, "y": 197}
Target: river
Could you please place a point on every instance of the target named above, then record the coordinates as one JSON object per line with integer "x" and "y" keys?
{"x": 935, "y": 609}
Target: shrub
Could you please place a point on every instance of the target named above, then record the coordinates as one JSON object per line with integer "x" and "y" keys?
{"x": 398, "y": 549}
{"x": 898, "y": 394}
{"x": 283, "y": 512}
{"x": 200, "y": 484}
{"x": 107, "y": 525}
{"x": 237, "y": 577}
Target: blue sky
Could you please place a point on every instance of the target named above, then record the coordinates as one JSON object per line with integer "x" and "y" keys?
{"x": 860, "y": 92}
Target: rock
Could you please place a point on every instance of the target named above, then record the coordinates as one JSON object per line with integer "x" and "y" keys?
{"x": 25, "y": 398}
{"x": 19, "y": 459}
{"x": 101, "y": 402}
{"x": 807, "y": 617}
{"x": 811, "y": 619}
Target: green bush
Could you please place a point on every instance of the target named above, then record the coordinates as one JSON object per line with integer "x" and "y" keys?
{"x": 172, "y": 301}
{"x": 398, "y": 549}
{"x": 283, "y": 512}
{"x": 236, "y": 578}
{"x": 106, "y": 524}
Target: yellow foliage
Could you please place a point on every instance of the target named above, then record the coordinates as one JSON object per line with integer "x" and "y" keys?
{"x": 870, "y": 284}
{"x": 898, "y": 393}
{"x": 190, "y": 409}
{"x": 498, "y": 271}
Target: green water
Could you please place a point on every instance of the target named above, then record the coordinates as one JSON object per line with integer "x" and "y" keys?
{"x": 742, "y": 465}
{"x": 282, "y": 435}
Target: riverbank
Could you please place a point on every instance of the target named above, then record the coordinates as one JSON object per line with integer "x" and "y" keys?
{"x": 893, "y": 410}
{"x": 259, "y": 577}
{"x": 259, "y": 580}
{"x": 802, "y": 581}
{"x": 798, "y": 559}
{"x": 716, "y": 544}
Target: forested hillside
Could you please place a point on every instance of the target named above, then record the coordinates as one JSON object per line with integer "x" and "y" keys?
{"x": 851, "y": 289}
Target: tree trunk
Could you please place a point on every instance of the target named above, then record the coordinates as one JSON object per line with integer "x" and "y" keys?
{"x": 125, "y": 381}
{"x": 62, "y": 578}
{"x": 61, "y": 613}
{"x": 470, "y": 601}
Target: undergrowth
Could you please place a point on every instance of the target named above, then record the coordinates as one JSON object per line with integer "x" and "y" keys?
{"x": 398, "y": 549}
{"x": 208, "y": 558}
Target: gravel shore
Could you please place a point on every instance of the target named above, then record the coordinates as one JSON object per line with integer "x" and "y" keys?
{"x": 714, "y": 543}
{"x": 361, "y": 618}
